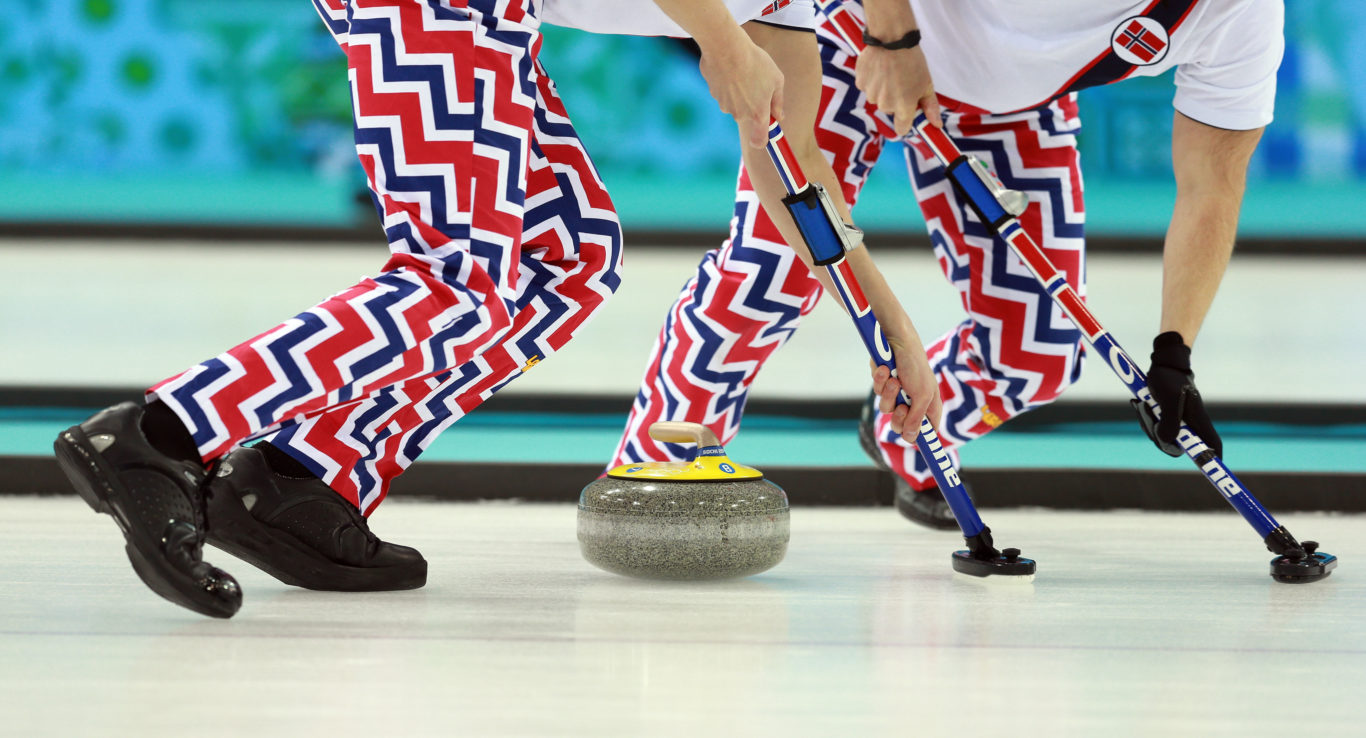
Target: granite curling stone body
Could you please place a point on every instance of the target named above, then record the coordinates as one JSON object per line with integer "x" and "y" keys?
{"x": 706, "y": 518}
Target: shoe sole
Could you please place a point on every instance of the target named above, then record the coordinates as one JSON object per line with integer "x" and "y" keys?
{"x": 233, "y": 529}
{"x": 97, "y": 484}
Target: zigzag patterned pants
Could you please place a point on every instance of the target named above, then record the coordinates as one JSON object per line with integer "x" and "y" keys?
{"x": 503, "y": 242}
{"x": 1014, "y": 350}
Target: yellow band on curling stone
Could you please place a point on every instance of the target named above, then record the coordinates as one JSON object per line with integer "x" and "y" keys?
{"x": 710, "y": 465}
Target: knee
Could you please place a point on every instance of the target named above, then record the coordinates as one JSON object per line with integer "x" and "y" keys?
{"x": 591, "y": 274}
{"x": 1031, "y": 374}
{"x": 455, "y": 295}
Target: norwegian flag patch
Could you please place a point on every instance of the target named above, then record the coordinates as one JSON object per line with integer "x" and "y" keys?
{"x": 1141, "y": 41}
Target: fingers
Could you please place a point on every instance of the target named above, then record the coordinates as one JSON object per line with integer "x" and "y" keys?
{"x": 905, "y": 419}
{"x": 1203, "y": 428}
{"x": 915, "y": 414}
{"x": 900, "y": 420}
{"x": 1189, "y": 409}
{"x": 880, "y": 376}
{"x": 898, "y": 84}
{"x": 1199, "y": 422}
{"x": 758, "y": 133}
{"x": 1170, "y": 422}
{"x": 775, "y": 106}
{"x": 935, "y": 412}
{"x": 759, "y": 130}
{"x": 903, "y": 122}
{"x": 888, "y": 391}
{"x": 887, "y": 398}
{"x": 748, "y": 86}
{"x": 930, "y": 104}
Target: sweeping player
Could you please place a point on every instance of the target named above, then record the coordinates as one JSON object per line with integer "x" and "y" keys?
{"x": 1007, "y": 75}
{"x": 503, "y": 242}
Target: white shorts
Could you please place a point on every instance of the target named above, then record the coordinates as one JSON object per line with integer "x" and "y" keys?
{"x": 644, "y": 18}
{"x": 798, "y": 15}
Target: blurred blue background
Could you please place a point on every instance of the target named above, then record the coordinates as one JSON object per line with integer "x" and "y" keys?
{"x": 180, "y": 111}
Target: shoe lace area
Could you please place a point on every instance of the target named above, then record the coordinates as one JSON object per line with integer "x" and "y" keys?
{"x": 361, "y": 522}
{"x": 201, "y": 512}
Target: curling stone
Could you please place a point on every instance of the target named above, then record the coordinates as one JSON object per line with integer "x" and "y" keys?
{"x": 705, "y": 518}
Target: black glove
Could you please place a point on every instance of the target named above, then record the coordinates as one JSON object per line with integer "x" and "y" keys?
{"x": 1172, "y": 385}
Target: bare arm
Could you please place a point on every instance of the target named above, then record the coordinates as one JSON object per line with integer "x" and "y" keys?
{"x": 1211, "y": 172}
{"x": 745, "y": 81}
{"x": 751, "y": 89}
{"x": 796, "y": 54}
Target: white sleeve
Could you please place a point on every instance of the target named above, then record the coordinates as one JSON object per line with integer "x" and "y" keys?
{"x": 1231, "y": 81}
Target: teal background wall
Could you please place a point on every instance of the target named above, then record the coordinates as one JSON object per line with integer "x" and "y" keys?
{"x": 180, "y": 111}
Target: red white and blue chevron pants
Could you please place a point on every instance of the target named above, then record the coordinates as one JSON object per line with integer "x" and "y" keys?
{"x": 503, "y": 242}
{"x": 1013, "y": 351}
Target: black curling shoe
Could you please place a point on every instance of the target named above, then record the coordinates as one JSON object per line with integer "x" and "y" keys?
{"x": 926, "y": 507}
{"x": 301, "y": 532}
{"x": 867, "y": 431}
{"x": 158, "y": 502}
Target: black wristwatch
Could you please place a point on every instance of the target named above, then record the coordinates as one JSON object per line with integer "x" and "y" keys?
{"x": 909, "y": 41}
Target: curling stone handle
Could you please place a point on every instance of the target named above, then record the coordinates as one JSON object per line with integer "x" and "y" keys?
{"x": 676, "y": 431}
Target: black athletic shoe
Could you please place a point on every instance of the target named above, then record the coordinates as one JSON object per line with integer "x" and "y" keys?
{"x": 158, "y": 502}
{"x": 867, "y": 431}
{"x": 927, "y": 508}
{"x": 301, "y": 532}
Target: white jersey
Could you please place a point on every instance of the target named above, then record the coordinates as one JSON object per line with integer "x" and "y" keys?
{"x": 1008, "y": 55}
{"x": 644, "y": 18}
